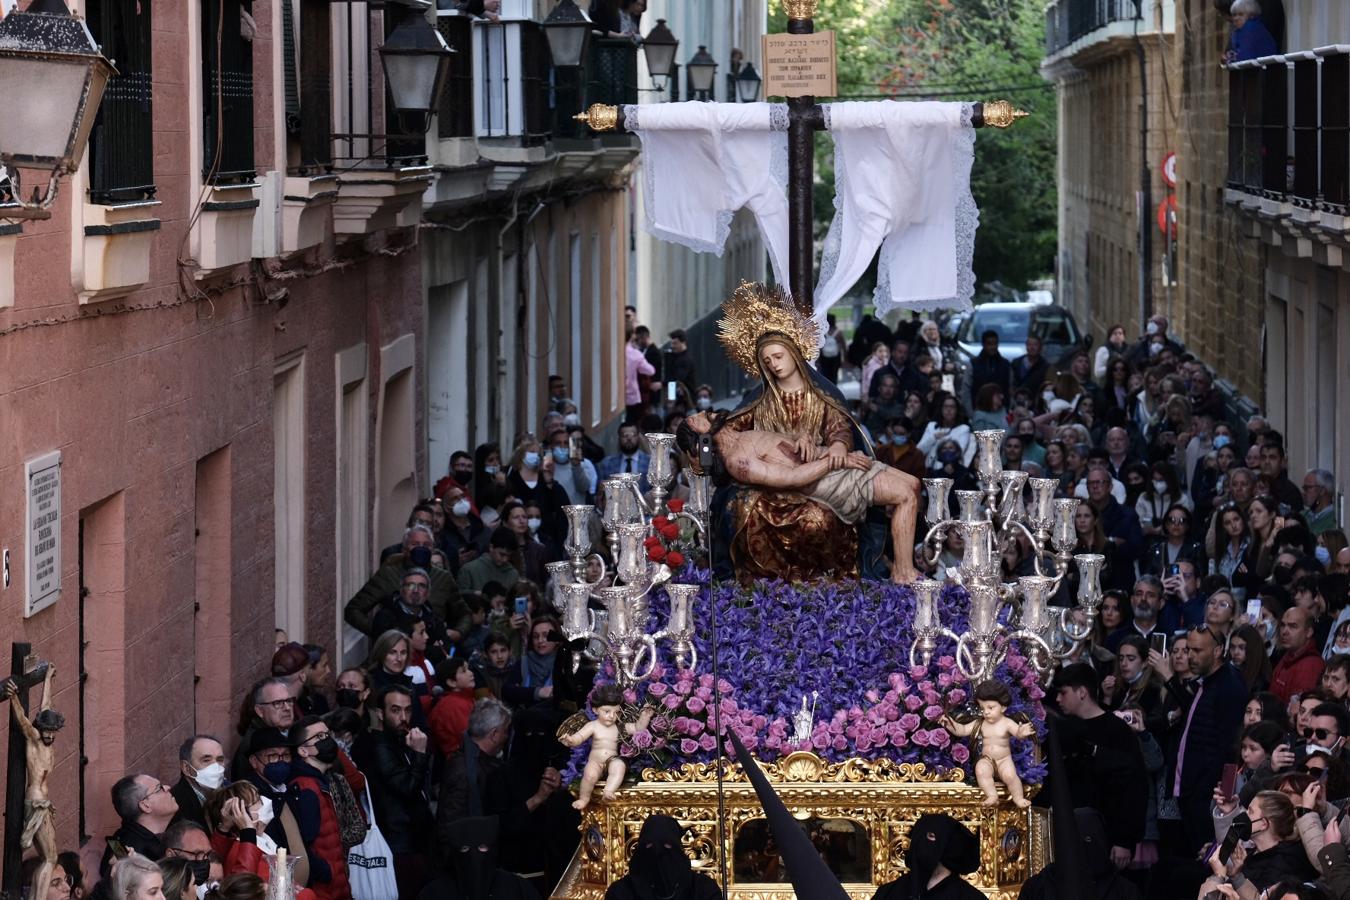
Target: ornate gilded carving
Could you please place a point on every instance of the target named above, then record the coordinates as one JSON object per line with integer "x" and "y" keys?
{"x": 882, "y": 797}
{"x": 600, "y": 117}
{"x": 1002, "y": 114}
{"x": 800, "y": 9}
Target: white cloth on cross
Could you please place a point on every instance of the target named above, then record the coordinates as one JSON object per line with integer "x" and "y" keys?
{"x": 902, "y": 185}
{"x": 704, "y": 161}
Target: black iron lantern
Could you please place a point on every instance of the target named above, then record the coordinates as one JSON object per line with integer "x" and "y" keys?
{"x": 53, "y": 76}
{"x": 416, "y": 60}
{"x": 659, "y": 47}
{"x": 568, "y": 30}
{"x": 747, "y": 84}
{"x": 702, "y": 70}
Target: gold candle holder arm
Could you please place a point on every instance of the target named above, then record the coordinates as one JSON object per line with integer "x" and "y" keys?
{"x": 600, "y": 117}
{"x": 1000, "y": 113}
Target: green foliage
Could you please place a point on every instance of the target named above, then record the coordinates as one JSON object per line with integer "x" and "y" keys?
{"x": 960, "y": 50}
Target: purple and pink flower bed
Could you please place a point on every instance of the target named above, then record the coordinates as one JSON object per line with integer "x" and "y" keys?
{"x": 848, "y": 641}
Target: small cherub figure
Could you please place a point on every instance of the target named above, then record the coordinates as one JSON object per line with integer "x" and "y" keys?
{"x": 996, "y": 732}
{"x": 604, "y": 733}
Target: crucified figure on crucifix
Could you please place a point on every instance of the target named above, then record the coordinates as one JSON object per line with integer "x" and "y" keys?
{"x": 39, "y": 828}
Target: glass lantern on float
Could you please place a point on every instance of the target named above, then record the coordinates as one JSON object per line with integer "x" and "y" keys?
{"x": 416, "y": 60}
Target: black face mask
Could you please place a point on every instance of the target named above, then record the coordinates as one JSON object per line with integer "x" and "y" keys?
{"x": 1282, "y": 575}
{"x": 659, "y": 870}
{"x": 462, "y": 477}
{"x": 420, "y": 556}
{"x": 349, "y": 698}
{"x": 201, "y": 870}
{"x": 474, "y": 869}
{"x": 1241, "y": 826}
{"x": 326, "y": 750}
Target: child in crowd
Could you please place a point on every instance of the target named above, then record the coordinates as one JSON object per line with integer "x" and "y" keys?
{"x": 496, "y": 663}
{"x": 449, "y": 718}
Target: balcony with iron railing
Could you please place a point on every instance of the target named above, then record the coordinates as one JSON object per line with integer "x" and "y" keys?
{"x": 1072, "y": 26}
{"x": 1289, "y": 141}
{"x": 507, "y": 109}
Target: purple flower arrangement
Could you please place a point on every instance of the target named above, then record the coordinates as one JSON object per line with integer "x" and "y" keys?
{"x": 848, "y": 642}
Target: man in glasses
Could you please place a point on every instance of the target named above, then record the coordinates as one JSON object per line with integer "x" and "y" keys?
{"x": 146, "y": 807}
{"x": 273, "y": 707}
{"x": 1326, "y": 730}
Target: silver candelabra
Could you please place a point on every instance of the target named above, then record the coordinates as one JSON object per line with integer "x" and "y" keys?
{"x": 988, "y": 521}
{"x": 622, "y": 629}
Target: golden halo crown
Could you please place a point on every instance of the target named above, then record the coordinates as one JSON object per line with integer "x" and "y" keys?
{"x": 755, "y": 310}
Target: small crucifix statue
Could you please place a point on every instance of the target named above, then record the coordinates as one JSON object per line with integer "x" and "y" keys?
{"x": 39, "y": 735}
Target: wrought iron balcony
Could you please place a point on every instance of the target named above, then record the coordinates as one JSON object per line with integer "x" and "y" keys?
{"x": 1081, "y": 23}
{"x": 1299, "y": 154}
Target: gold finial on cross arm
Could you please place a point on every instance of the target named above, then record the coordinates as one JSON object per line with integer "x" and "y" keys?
{"x": 1002, "y": 114}
{"x": 600, "y": 117}
{"x": 800, "y": 9}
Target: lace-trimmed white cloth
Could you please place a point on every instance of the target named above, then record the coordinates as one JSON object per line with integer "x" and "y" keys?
{"x": 902, "y": 185}
{"x": 704, "y": 161}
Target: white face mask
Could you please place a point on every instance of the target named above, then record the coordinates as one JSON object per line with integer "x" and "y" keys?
{"x": 1159, "y": 487}
{"x": 571, "y": 419}
{"x": 534, "y": 524}
{"x": 460, "y": 508}
{"x": 265, "y": 814}
{"x": 704, "y": 403}
{"x": 211, "y": 777}
{"x": 1151, "y": 328}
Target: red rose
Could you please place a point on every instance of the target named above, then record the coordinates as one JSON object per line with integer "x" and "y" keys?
{"x": 652, "y": 541}
{"x": 670, "y": 530}
{"x": 660, "y": 522}
{"x": 675, "y": 506}
{"x": 674, "y": 559}
{"x": 657, "y": 554}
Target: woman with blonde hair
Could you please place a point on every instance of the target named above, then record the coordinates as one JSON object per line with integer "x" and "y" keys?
{"x": 136, "y": 878}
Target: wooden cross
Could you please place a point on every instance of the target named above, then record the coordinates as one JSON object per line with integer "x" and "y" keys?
{"x": 26, "y": 671}
{"x": 805, "y": 118}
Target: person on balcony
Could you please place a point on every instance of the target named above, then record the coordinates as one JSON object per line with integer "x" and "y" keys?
{"x": 618, "y": 18}
{"x": 1250, "y": 39}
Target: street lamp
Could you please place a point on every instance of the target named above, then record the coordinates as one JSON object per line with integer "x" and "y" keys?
{"x": 568, "y": 30}
{"x": 53, "y": 76}
{"x": 747, "y": 84}
{"x": 416, "y": 60}
{"x": 659, "y": 47}
{"x": 702, "y": 70}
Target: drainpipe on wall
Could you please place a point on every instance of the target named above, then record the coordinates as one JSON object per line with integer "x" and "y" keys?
{"x": 1145, "y": 181}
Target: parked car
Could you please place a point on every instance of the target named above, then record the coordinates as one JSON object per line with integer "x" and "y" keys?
{"x": 1054, "y": 325}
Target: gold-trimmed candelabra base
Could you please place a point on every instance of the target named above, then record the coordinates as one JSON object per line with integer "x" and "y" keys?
{"x": 869, "y": 806}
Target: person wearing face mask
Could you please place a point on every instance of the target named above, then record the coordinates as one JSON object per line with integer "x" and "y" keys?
{"x": 659, "y": 869}
{"x": 443, "y": 591}
{"x": 201, "y": 763}
{"x": 1152, "y": 343}
{"x": 313, "y": 776}
{"x": 464, "y": 536}
{"x": 533, "y": 481}
{"x": 576, "y": 476}
{"x": 410, "y": 606}
{"x": 898, "y": 451}
{"x": 469, "y": 860}
{"x": 461, "y": 473}
{"x": 1270, "y": 827}
{"x": 489, "y": 477}
{"x": 238, "y": 817}
{"x": 269, "y": 770}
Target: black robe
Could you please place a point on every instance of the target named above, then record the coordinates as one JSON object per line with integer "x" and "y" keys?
{"x": 505, "y": 886}
{"x": 953, "y": 887}
{"x": 701, "y": 887}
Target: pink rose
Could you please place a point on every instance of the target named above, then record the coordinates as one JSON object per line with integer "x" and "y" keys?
{"x": 680, "y": 724}
{"x": 872, "y": 696}
{"x": 707, "y": 742}
{"x": 944, "y": 680}
{"x": 725, "y": 686}
{"x": 695, "y": 705}
{"x": 916, "y": 672}
{"x": 688, "y": 747}
{"x": 913, "y": 703}
{"x": 961, "y": 753}
{"x": 909, "y": 722}
{"x": 704, "y": 693}
{"x": 630, "y": 696}
{"x": 773, "y": 742}
{"x": 956, "y": 696}
{"x": 684, "y": 688}
{"x": 1035, "y": 693}
{"x": 657, "y": 689}
{"x": 922, "y": 738}
{"x": 660, "y": 723}
{"x": 932, "y": 713}
{"x": 820, "y": 740}
{"x": 939, "y": 737}
{"x": 671, "y": 702}
{"x": 642, "y": 739}
{"x": 695, "y": 728}
{"x": 863, "y": 744}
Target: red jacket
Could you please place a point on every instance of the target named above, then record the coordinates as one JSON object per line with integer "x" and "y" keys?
{"x": 319, "y": 829}
{"x": 449, "y": 719}
{"x": 244, "y": 856}
{"x": 1297, "y": 671}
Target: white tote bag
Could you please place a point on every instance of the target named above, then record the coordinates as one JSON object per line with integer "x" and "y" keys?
{"x": 370, "y": 864}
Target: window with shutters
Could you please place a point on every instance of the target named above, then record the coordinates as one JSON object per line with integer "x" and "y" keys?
{"x": 121, "y": 144}
{"x": 227, "y": 33}
{"x": 307, "y": 73}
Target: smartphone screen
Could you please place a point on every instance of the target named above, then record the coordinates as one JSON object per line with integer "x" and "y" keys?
{"x": 1253, "y": 611}
{"x": 1174, "y": 569}
{"x": 1157, "y": 642}
{"x": 671, "y": 387}
{"x": 118, "y": 849}
{"x": 1228, "y": 781}
{"x": 522, "y": 605}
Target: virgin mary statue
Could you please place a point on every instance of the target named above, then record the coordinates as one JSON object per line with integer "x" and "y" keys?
{"x": 783, "y": 534}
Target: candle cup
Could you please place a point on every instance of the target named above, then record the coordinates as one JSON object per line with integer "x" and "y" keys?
{"x": 700, "y": 489}
{"x": 661, "y": 468}
{"x": 578, "y": 528}
{"x": 632, "y": 564}
{"x": 1064, "y": 537}
{"x": 1035, "y": 591}
{"x": 1041, "y": 513}
{"x": 939, "y": 489}
{"x": 971, "y": 505}
{"x": 984, "y": 605}
{"x": 978, "y": 559}
{"x": 1011, "y": 508}
{"x": 988, "y": 461}
{"x": 926, "y": 591}
{"x": 1089, "y": 580}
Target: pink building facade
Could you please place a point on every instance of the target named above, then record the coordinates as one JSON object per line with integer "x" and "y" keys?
{"x": 219, "y": 332}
